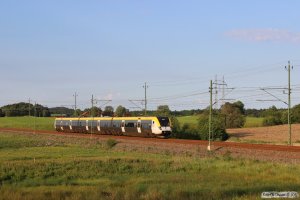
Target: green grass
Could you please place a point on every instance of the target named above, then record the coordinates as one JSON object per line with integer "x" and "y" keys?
{"x": 40, "y": 123}
{"x": 56, "y": 167}
{"x": 193, "y": 120}
{"x": 254, "y": 122}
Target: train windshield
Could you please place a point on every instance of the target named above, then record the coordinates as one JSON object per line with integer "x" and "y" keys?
{"x": 164, "y": 121}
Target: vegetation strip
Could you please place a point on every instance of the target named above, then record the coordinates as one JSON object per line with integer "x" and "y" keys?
{"x": 216, "y": 144}
{"x": 42, "y": 166}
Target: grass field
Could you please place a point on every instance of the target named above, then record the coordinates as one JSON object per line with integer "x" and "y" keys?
{"x": 55, "y": 167}
{"x": 253, "y": 122}
{"x": 193, "y": 120}
{"x": 40, "y": 123}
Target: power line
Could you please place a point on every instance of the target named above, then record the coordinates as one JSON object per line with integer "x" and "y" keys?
{"x": 145, "y": 87}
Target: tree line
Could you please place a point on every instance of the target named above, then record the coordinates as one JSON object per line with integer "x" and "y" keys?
{"x": 230, "y": 115}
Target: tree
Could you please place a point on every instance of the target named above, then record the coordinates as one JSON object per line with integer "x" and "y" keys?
{"x": 218, "y": 127}
{"x": 61, "y": 111}
{"x": 46, "y": 113}
{"x": 1, "y": 113}
{"x": 120, "y": 111}
{"x": 175, "y": 124}
{"x": 163, "y": 110}
{"x": 233, "y": 115}
{"x": 240, "y": 106}
{"x": 108, "y": 111}
{"x": 273, "y": 116}
{"x": 296, "y": 114}
{"x": 77, "y": 113}
{"x": 94, "y": 111}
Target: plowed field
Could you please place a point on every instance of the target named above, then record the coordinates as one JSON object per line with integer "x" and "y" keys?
{"x": 272, "y": 134}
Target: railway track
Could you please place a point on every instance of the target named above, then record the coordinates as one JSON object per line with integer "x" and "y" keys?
{"x": 172, "y": 141}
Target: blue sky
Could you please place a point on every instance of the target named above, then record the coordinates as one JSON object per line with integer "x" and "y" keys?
{"x": 50, "y": 49}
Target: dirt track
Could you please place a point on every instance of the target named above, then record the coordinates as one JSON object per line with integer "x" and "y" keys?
{"x": 272, "y": 134}
{"x": 264, "y": 152}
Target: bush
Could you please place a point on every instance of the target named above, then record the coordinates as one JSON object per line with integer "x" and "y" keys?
{"x": 296, "y": 114}
{"x": 188, "y": 131}
{"x": 175, "y": 124}
{"x": 218, "y": 127}
{"x": 233, "y": 114}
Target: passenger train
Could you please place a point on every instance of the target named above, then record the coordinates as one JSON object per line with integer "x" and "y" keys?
{"x": 129, "y": 126}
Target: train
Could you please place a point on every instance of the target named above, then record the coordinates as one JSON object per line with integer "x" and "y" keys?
{"x": 128, "y": 126}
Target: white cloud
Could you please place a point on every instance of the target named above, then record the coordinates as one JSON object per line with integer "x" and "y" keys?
{"x": 261, "y": 35}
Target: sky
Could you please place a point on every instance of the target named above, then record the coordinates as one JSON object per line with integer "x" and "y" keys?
{"x": 53, "y": 48}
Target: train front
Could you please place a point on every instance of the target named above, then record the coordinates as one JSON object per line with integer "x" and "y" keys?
{"x": 165, "y": 126}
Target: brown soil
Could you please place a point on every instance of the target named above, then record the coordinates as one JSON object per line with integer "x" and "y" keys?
{"x": 272, "y": 134}
{"x": 192, "y": 148}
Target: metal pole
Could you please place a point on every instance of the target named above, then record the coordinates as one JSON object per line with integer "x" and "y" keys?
{"x": 145, "y": 86}
{"x": 289, "y": 104}
{"x": 75, "y": 111}
{"x": 210, "y": 117}
{"x": 35, "y": 117}
{"x": 92, "y": 115}
{"x": 216, "y": 94}
{"x": 29, "y": 108}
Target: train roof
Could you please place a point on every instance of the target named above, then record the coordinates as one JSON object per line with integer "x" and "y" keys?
{"x": 106, "y": 118}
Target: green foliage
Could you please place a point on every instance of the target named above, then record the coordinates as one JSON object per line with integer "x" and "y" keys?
{"x": 273, "y": 116}
{"x": 188, "y": 131}
{"x": 120, "y": 111}
{"x": 175, "y": 124}
{"x": 233, "y": 114}
{"x": 69, "y": 168}
{"x": 163, "y": 110}
{"x": 23, "y": 109}
{"x": 61, "y": 111}
{"x": 218, "y": 127}
{"x": 197, "y": 127}
{"x": 77, "y": 113}
{"x": 108, "y": 111}
{"x": 46, "y": 113}
{"x": 240, "y": 106}
{"x": 254, "y": 112}
{"x": 296, "y": 114}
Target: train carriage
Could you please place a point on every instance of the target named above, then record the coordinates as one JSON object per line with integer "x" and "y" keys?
{"x": 130, "y": 126}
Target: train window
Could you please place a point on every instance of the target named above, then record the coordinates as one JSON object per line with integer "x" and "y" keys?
{"x": 116, "y": 124}
{"x": 105, "y": 123}
{"x": 164, "y": 121}
{"x": 82, "y": 123}
{"x": 129, "y": 124}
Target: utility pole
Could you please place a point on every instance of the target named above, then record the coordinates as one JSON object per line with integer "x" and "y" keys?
{"x": 223, "y": 91}
{"x": 217, "y": 86}
{"x": 29, "y": 107}
{"x": 145, "y": 87}
{"x": 92, "y": 114}
{"x": 75, "y": 107}
{"x": 288, "y": 68}
{"x": 210, "y": 115}
{"x": 216, "y": 94}
{"x": 34, "y": 117}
